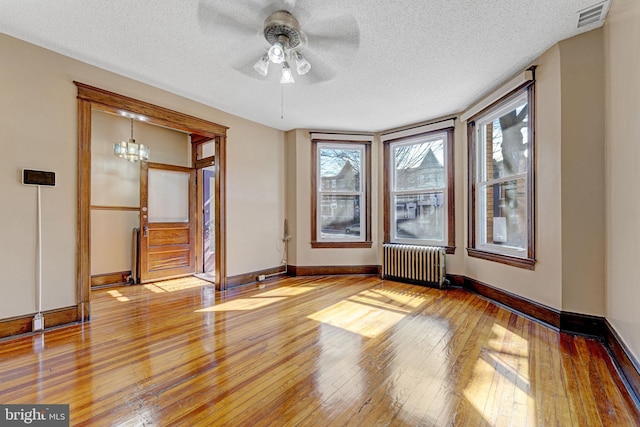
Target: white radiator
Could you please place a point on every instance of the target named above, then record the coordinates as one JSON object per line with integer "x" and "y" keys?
{"x": 421, "y": 264}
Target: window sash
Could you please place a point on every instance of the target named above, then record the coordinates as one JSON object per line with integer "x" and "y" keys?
{"x": 519, "y": 217}
{"x": 340, "y": 235}
{"x": 394, "y": 229}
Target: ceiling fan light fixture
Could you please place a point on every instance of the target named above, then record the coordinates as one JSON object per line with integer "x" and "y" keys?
{"x": 302, "y": 65}
{"x": 276, "y": 53}
{"x": 287, "y": 74}
{"x": 262, "y": 65}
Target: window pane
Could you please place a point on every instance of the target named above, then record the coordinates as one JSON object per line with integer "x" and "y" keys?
{"x": 506, "y": 214}
{"x": 506, "y": 143}
{"x": 419, "y": 166}
{"x": 420, "y": 216}
{"x": 340, "y": 169}
{"x": 168, "y": 195}
{"x": 340, "y": 216}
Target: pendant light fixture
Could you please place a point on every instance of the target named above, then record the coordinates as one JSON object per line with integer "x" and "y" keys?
{"x": 131, "y": 150}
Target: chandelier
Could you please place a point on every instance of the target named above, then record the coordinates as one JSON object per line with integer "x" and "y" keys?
{"x": 131, "y": 150}
{"x": 283, "y": 33}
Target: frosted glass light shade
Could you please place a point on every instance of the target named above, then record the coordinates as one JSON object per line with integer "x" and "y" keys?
{"x": 276, "y": 53}
{"x": 302, "y": 65}
{"x": 262, "y": 65}
{"x": 287, "y": 75}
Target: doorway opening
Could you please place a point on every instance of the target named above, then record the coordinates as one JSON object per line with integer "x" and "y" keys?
{"x": 208, "y": 224}
{"x": 94, "y": 99}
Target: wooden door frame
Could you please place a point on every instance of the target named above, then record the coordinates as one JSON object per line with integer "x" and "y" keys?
{"x": 92, "y": 98}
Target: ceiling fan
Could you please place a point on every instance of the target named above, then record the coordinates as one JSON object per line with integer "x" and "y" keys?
{"x": 260, "y": 35}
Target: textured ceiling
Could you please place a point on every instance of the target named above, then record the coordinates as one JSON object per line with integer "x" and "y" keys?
{"x": 382, "y": 64}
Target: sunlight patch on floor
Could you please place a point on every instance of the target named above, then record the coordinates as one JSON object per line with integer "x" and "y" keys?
{"x": 118, "y": 296}
{"x": 241, "y": 304}
{"x": 286, "y": 291}
{"x": 174, "y": 285}
{"x": 503, "y": 362}
{"x": 370, "y": 312}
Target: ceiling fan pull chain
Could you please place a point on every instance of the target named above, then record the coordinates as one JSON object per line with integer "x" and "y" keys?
{"x": 282, "y": 101}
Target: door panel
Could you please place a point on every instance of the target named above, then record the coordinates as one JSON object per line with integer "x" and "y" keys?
{"x": 167, "y": 221}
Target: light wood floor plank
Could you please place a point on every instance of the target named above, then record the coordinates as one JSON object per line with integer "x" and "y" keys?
{"x": 309, "y": 351}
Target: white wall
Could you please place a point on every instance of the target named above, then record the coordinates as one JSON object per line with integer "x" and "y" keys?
{"x": 38, "y": 110}
{"x": 622, "y": 168}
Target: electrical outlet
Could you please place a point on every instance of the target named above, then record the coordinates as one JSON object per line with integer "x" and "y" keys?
{"x": 261, "y": 277}
{"x": 38, "y": 322}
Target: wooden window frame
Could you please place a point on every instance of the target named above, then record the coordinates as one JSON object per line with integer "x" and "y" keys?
{"x": 315, "y": 243}
{"x": 450, "y": 186}
{"x": 529, "y": 261}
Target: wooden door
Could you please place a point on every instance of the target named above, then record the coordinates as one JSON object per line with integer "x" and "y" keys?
{"x": 167, "y": 221}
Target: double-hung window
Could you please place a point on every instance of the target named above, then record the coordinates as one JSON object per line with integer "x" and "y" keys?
{"x": 341, "y": 186}
{"x": 501, "y": 163}
{"x": 419, "y": 196}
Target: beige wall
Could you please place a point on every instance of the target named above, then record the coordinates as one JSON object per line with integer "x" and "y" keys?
{"x": 299, "y": 187}
{"x": 622, "y": 170}
{"x": 39, "y": 121}
{"x": 582, "y": 92}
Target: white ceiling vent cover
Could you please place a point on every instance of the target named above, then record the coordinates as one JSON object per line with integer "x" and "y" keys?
{"x": 593, "y": 14}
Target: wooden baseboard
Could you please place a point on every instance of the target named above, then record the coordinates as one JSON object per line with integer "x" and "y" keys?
{"x": 246, "y": 278}
{"x": 582, "y": 324}
{"x": 52, "y": 318}
{"x": 326, "y": 270}
{"x": 626, "y": 363}
{"x": 533, "y": 309}
{"x": 110, "y": 279}
{"x": 455, "y": 280}
{"x": 574, "y": 323}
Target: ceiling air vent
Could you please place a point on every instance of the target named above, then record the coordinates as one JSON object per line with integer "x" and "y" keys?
{"x": 593, "y": 14}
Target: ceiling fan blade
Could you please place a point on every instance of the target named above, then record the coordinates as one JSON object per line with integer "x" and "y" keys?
{"x": 337, "y": 39}
{"x": 245, "y": 66}
{"x": 223, "y": 20}
{"x": 320, "y": 72}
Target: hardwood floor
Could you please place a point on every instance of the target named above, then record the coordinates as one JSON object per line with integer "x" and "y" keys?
{"x": 347, "y": 350}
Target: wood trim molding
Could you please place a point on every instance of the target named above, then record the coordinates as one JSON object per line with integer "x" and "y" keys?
{"x": 252, "y": 277}
{"x": 52, "y": 318}
{"x": 582, "y": 324}
{"x": 108, "y": 279}
{"x": 83, "y": 224}
{"x": 455, "y": 280}
{"x": 533, "y": 309}
{"x": 89, "y": 98}
{"x": 317, "y": 245}
{"x": 624, "y": 360}
{"x": 329, "y": 270}
{"x": 115, "y": 208}
{"x": 529, "y": 264}
{"x": 116, "y": 103}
